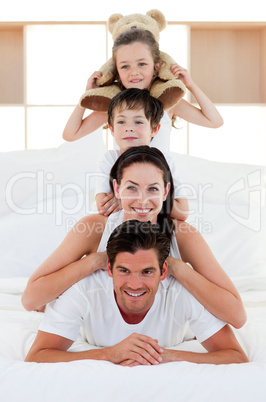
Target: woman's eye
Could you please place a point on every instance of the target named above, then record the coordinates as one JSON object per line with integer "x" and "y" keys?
{"x": 153, "y": 189}
{"x": 131, "y": 188}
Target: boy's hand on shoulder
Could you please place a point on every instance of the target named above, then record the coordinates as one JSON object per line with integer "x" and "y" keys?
{"x": 110, "y": 204}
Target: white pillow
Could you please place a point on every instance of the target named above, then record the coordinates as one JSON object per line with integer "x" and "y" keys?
{"x": 227, "y": 205}
{"x": 42, "y": 194}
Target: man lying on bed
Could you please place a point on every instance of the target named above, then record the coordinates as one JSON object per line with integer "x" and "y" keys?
{"x": 136, "y": 316}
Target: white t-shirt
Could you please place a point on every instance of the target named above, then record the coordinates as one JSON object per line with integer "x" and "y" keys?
{"x": 107, "y": 162}
{"x": 91, "y": 304}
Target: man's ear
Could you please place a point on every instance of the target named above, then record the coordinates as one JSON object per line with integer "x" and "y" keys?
{"x": 166, "y": 190}
{"x": 164, "y": 271}
{"x": 109, "y": 269}
{"x": 116, "y": 189}
{"x": 111, "y": 129}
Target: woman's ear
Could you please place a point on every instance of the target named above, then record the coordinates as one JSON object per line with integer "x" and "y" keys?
{"x": 116, "y": 189}
{"x": 166, "y": 190}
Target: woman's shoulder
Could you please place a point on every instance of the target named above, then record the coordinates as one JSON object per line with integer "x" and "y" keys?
{"x": 91, "y": 224}
{"x": 183, "y": 228}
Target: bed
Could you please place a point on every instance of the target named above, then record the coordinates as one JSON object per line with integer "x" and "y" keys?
{"x": 43, "y": 193}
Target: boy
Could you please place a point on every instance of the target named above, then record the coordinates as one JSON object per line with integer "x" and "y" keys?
{"x": 134, "y": 119}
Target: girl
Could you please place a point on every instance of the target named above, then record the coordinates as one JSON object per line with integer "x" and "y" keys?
{"x": 142, "y": 181}
{"x": 136, "y": 58}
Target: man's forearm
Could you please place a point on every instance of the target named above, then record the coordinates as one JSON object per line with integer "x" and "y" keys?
{"x": 226, "y": 356}
{"x": 56, "y": 356}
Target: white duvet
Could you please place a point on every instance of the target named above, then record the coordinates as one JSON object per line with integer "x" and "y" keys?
{"x": 103, "y": 381}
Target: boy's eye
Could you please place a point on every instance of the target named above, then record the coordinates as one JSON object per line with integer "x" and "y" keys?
{"x": 120, "y": 122}
{"x": 139, "y": 122}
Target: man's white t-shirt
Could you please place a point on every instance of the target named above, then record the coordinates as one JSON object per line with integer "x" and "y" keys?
{"x": 107, "y": 162}
{"x": 90, "y": 304}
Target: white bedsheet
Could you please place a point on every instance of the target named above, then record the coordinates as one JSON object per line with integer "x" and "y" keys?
{"x": 104, "y": 381}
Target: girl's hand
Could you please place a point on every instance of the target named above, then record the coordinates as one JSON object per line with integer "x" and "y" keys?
{"x": 182, "y": 74}
{"x": 110, "y": 204}
{"x": 91, "y": 83}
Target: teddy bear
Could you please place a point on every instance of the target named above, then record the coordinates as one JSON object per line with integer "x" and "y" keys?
{"x": 165, "y": 87}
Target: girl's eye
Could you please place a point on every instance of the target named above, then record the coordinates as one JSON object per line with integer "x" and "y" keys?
{"x": 124, "y": 67}
{"x": 142, "y": 64}
{"x": 139, "y": 122}
{"x": 120, "y": 122}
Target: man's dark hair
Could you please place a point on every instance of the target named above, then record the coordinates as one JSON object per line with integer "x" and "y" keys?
{"x": 136, "y": 99}
{"x": 133, "y": 235}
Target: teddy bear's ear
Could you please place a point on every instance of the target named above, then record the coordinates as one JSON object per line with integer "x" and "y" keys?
{"x": 112, "y": 20}
{"x": 158, "y": 17}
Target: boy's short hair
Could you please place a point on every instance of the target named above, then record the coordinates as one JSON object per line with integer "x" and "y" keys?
{"x": 136, "y": 99}
{"x": 133, "y": 235}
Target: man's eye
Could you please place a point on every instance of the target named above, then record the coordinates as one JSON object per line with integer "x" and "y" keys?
{"x": 147, "y": 272}
{"x": 123, "y": 271}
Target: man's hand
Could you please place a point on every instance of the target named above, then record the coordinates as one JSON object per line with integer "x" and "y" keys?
{"x": 110, "y": 204}
{"x": 135, "y": 350}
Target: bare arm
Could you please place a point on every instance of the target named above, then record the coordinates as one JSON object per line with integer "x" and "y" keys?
{"x": 65, "y": 266}
{"x": 180, "y": 209}
{"x": 207, "y": 281}
{"x": 51, "y": 348}
{"x": 206, "y": 115}
{"x": 223, "y": 348}
{"x": 76, "y": 126}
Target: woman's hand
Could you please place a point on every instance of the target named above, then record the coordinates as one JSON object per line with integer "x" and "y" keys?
{"x": 91, "y": 83}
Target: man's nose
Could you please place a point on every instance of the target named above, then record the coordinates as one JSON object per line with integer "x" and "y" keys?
{"x": 135, "y": 282}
